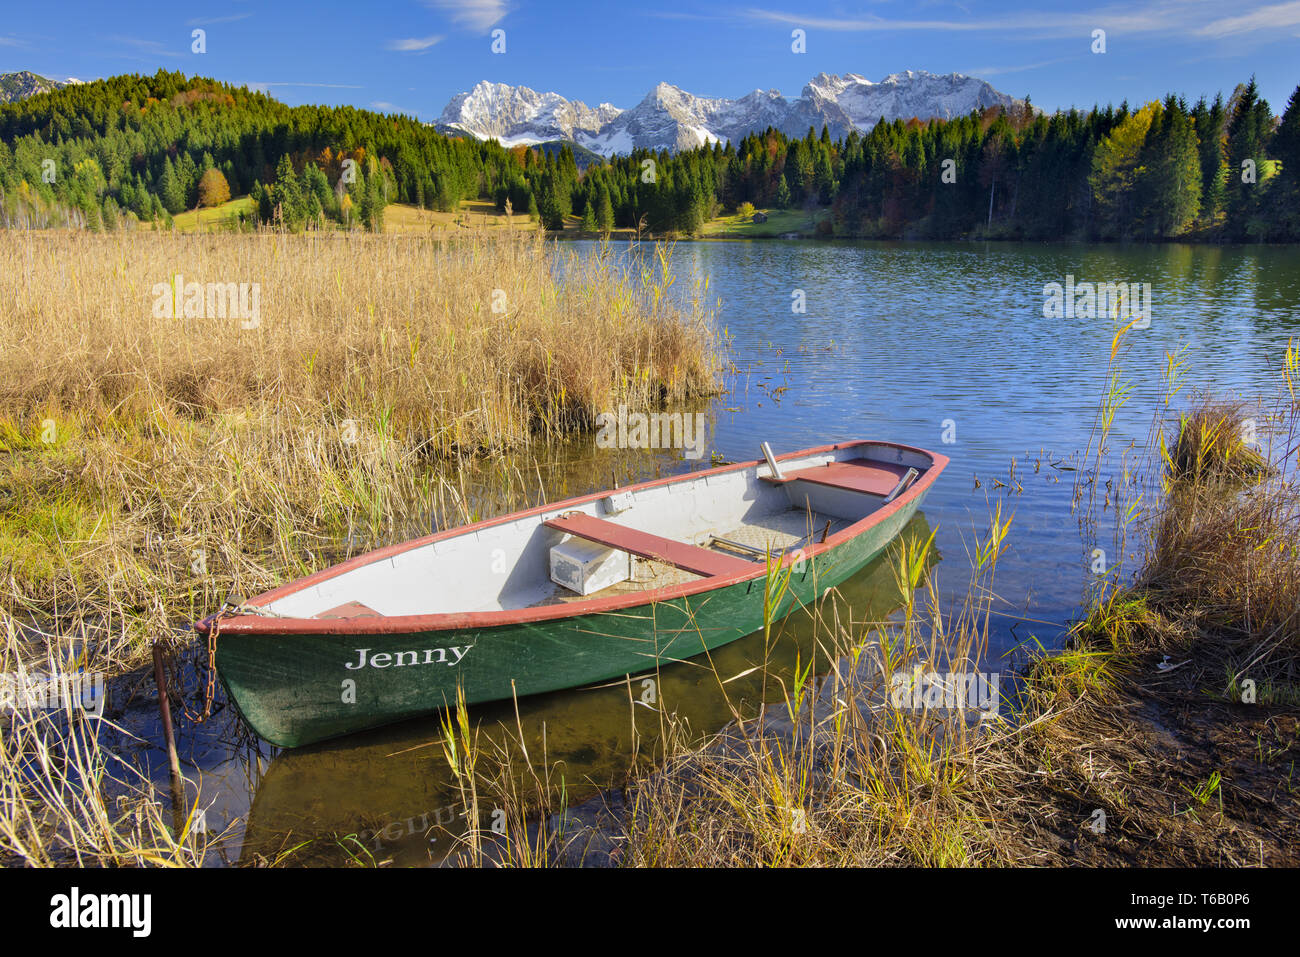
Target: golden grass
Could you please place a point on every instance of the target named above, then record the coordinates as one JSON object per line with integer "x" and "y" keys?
{"x": 1214, "y": 444}
{"x": 482, "y": 215}
{"x": 475, "y": 343}
{"x": 150, "y": 466}
{"x": 1225, "y": 555}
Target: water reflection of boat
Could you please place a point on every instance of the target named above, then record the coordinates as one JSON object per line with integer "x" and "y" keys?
{"x": 388, "y": 794}
{"x": 647, "y": 575}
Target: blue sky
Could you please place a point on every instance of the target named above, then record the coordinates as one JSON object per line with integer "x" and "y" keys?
{"x": 414, "y": 55}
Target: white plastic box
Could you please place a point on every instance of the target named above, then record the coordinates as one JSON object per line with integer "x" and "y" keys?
{"x": 586, "y": 567}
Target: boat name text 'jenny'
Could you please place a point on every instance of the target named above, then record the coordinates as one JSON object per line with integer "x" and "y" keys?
{"x": 397, "y": 659}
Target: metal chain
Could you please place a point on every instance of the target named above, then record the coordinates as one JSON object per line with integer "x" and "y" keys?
{"x": 214, "y": 628}
{"x": 229, "y": 609}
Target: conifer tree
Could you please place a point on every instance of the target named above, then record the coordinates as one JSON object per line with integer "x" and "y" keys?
{"x": 1248, "y": 130}
{"x": 604, "y": 211}
{"x": 1170, "y": 181}
{"x": 169, "y": 189}
{"x": 782, "y": 193}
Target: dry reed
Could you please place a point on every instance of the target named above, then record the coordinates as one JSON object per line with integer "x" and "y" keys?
{"x": 150, "y": 466}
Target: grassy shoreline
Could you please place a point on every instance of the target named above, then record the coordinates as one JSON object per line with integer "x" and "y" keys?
{"x": 481, "y": 215}
{"x": 155, "y": 458}
{"x": 1165, "y": 733}
{"x": 149, "y": 466}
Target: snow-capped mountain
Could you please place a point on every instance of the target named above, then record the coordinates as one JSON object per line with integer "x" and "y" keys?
{"x": 672, "y": 119}
{"x": 854, "y": 100}
{"x": 516, "y": 114}
{"x": 24, "y": 83}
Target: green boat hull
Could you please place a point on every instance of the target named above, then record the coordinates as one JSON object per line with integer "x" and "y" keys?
{"x": 297, "y": 689}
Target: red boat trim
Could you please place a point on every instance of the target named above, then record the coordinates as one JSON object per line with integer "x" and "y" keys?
{"x": 450, "y": 621}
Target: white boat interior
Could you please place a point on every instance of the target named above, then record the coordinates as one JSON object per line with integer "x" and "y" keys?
{"x": 637, "y": 539}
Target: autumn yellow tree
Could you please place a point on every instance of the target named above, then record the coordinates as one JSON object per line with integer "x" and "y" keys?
{"x": 1116, "y": 167}
{"x": 213, "y": 188}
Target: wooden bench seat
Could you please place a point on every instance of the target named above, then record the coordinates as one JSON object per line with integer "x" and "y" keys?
{"x": 691, "y": 558}
{"x": 351, "y": 609}
{"x": 854, "y": 475}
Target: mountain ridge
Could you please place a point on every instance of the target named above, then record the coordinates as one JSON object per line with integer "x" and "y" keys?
{"x": 670, "y": 118}
{"x": 24, "y": 83}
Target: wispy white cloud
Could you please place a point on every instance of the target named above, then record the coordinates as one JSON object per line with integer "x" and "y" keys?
{"x": 1278, "y": 16}
{"x": 475, "y": 14}
{"x": 1069, "y": 22}
{"x": 414, "y": 44}
{"x": 11, "y": 42}
{"x": 1198, "y": 18}
{"x": 679, "y": 15}
{"x": 151, "y": 47}
{"x": 998, "y": 70}
{"x": 208, "y": 21}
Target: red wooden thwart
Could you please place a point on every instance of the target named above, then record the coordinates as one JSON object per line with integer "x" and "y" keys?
{"x": 855, "y": 475}
{"x": 691, "y": 558}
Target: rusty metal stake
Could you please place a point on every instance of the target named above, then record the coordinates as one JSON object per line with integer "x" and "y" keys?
{"x": 165, "y": 712}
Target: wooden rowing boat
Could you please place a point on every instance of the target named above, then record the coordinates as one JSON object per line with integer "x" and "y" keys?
{"x": 584, "y": 590}
{"x": 390, "y": 791}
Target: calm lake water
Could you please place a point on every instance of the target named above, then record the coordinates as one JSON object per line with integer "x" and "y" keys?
{"x": 942, "y": 346}
{"x": 909, "y": 341}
